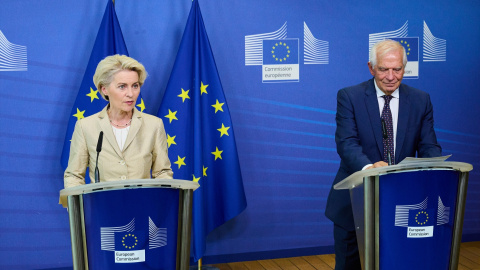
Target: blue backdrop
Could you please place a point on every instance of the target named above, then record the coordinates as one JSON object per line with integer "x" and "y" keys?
{"x": 284, "y": 130}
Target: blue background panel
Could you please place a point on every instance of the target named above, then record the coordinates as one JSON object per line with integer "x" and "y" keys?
{"x": 284, "y": 131}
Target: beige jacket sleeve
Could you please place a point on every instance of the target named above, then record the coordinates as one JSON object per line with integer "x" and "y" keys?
{"x": 161, "y": 166}
{"x": 78, "y": 159}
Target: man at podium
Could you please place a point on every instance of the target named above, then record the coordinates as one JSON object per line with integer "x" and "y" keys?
{"x": 132, "y": 144}
{"x": 379, "y": 123}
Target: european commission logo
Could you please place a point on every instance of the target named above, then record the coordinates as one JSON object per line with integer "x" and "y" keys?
{"x": 280, "y": 60}
{"x": 13, "y": 57}
{"x": 279, "y": 56}
{"x": 419, "y": 219}
{"x": 129, "y": 244}
{"x": 434, "y": 49}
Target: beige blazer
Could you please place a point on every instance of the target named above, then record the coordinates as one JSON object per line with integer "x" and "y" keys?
{"x": 145, "y": 150}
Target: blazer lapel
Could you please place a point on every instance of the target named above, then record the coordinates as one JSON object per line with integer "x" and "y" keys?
{"x": 134, "y": 127}
{"x": 402, "y": 125}
{"x": 371, "y": 102}
{"x": 107, "y": 130}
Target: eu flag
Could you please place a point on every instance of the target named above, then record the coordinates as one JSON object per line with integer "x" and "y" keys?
{"x": 200, "y": 134}
{"x": 421, "y": 217}
{"x": 136, "y": 240}
{"x": 109, "y": 41}
{"x": 280, "y": 51}
{"x": 411, "y": 47}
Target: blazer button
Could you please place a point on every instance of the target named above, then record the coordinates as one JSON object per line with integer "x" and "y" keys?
{"x": 122, "y": 162}
{"x": 123, "y": 177}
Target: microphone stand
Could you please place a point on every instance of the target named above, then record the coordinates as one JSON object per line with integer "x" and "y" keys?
{"x": 99, "y": 149}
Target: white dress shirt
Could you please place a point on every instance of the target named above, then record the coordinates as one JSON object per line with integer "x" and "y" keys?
{"x": 121, "y": 136}
{"x": 393, "y": 108}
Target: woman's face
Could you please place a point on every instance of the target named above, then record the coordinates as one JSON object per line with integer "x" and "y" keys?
{"x": 123, "y": 91}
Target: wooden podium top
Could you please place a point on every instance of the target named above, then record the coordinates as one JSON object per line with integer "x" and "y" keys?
{"x": 422, "y": 164}
{"x": 126, "y": 184}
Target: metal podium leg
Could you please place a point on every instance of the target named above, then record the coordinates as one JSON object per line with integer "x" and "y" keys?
{"x": 369, "y": 219}
{"x": 458, "y": 222}
{"x": 76, "y": 231}
{"x": 184, "y": 229}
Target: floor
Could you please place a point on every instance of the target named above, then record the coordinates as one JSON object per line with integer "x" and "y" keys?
{"x": 469, "y": 260}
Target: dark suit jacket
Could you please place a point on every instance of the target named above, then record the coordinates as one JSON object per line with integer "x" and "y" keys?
{"x": 360, "y": 142}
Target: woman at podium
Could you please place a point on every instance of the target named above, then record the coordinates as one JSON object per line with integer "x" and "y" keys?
{"x": 129, "y": 144}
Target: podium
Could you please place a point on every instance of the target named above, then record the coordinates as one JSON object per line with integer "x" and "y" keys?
{"x": 409, "y": 216}
{"x": 130, "y": 224}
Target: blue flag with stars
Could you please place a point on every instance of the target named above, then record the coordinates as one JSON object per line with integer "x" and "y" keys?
{"x": 109, "y": 41}
{"x": 201, "y": 143}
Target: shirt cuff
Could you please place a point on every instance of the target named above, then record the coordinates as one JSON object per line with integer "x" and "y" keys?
{"x": 366, "y": 166}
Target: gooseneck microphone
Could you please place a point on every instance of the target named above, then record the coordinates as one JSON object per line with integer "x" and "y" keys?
{"x": 385, "y": 138}
{"x": 99, "y": 149}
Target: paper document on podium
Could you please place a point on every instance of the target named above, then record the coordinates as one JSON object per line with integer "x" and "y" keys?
{"x": 412, "y": 160}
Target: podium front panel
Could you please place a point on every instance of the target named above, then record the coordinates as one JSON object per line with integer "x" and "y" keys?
{"x": 416, "y": 211}
{"x": 132, "y": 228}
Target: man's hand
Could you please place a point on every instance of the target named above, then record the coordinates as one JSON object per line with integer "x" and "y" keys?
{"x": 377, "y": 164}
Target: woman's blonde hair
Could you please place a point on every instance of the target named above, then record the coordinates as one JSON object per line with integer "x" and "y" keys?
{"x": 113, "y": 64}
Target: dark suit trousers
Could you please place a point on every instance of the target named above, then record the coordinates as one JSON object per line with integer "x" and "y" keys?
{"x": 346, "y": 249}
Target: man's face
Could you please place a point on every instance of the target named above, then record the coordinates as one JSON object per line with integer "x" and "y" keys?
{"x": 389, "y": 71}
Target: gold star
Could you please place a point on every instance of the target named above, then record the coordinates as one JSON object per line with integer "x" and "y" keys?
{"x": 180, "y": 161}
{"x": 218, "y": 106}
{"x": 79, "y": 114}
{"x": 184, "y": 95}
{"x": 195, "y": 179}
{"x": 171, "y": 115}
{"x": 205, "y": 171}
{"x": 203, "y": 88}
{"x": 93, "y": 94}
{"x": 217, "y": 153}
{"x": 223, "y": 130}
{"x": 141, "y": 105}
{"x": 170, "y": 140}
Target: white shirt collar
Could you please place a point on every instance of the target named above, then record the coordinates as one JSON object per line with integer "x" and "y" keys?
{"x": 380, "y": 93}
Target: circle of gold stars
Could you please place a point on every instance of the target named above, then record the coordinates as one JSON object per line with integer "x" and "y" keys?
{"x": 406, "y": 46}
{"x": 280, "y": 45}
{"x": 133, "y": 238}
{"x": 425, "y": 217}
{"x": 223, "y": 130}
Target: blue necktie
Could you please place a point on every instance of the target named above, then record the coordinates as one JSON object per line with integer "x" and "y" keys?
{"x": 388, "y": 143}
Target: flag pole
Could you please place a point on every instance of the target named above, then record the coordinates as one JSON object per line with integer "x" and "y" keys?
{"x": 200, "y": 264}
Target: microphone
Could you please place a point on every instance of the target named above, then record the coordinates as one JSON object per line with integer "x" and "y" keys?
{"x": 99, "y": 149}
{"x": 385, "y": 138}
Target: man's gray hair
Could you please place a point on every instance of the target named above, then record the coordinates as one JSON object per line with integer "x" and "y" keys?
{"x": 383, "y": 47}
